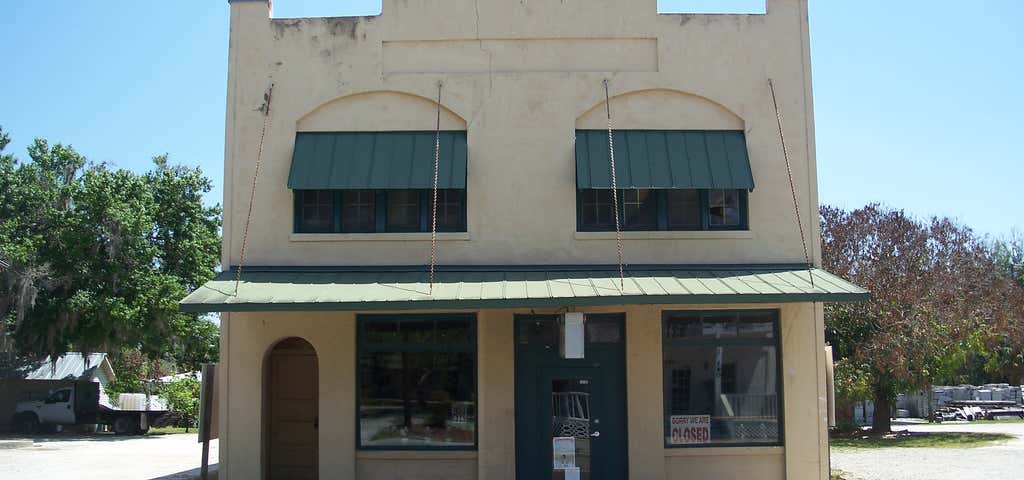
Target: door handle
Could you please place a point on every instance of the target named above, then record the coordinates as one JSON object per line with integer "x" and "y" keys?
{"x": 595, "y": 434}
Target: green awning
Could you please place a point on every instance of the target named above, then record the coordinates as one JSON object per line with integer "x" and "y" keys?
{"x": 664, "y": 159}
{"x": 356, "y": 160}
{"x": 405, "y": 288}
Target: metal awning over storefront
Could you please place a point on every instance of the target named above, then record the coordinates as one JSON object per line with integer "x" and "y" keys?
{"x": 376, "y": 160}
{"x": 690, "y": 159}
{"x": 406, "y": 288}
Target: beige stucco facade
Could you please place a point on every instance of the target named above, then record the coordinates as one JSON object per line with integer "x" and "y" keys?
{"x": 248, "y": 336}
{"x": 519, "y": 77}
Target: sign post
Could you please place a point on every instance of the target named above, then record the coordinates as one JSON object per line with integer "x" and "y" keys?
{"x": 205, "y": 416}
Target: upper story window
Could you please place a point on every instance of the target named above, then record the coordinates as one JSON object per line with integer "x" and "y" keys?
{"x": 675, "y": 179}
{"x": 650, "y": 209}
{"x": 378, "y": 211}
{"x": 376, "y": 182}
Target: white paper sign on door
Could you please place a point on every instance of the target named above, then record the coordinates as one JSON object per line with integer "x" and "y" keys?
{"x": 689, "y": 429}
{"x": 563, "y": 452}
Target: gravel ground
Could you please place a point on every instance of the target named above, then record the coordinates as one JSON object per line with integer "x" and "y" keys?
{"x": 992, "y": 462}
{"x": 106, "y": 457}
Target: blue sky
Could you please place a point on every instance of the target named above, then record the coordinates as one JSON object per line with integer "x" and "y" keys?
{"x": 917, "y": 102}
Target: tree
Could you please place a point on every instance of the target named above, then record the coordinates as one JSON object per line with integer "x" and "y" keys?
{"x": 182, "y": 396}
{"x": 1009, "y": 255}
{"x": 935, "y": 290}
{"x": 99, "y": 257}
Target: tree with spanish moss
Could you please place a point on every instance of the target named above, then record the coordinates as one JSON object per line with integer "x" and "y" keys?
{"x": 98, "y": 257}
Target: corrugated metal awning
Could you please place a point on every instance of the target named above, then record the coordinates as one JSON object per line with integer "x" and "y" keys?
{"x": 356, "y": 160}
{"x": 664, "y": 159}
{"x": 404, "y": 288}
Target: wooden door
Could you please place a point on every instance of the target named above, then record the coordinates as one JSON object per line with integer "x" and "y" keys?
{"x": 292, "y": 414}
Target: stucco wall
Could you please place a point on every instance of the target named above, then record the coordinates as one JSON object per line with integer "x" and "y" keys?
{"x": 519, "y": 77}
{"x": 252, "y": 335}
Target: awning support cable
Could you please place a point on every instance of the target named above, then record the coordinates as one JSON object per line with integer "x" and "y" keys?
{"x": 433, "y": 208}
{"x": 792, "y": 185}
{"x": 265, "y": 108}
{"x": 615, "y": 187}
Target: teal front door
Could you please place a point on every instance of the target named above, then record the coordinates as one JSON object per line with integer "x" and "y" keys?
{"x": 570, "y": 414}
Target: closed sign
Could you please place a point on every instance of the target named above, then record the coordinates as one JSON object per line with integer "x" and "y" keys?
{"x": 690, "y": 429}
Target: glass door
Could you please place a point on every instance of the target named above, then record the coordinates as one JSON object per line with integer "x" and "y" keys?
{"x": 572, "y": 415}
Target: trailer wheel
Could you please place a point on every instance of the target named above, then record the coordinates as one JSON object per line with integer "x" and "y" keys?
{"x": 125, "y": 426}
{"x": 27, "y": 423}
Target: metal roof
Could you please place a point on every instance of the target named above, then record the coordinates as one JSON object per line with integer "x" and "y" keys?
{"x": 71, "y": 366}
{"x": 357, "y": 160}
{"x": 398, "y": 288}
{"x": 692, "y": 159}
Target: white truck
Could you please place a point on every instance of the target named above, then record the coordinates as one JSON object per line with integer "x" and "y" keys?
{"x": 80, "y": 405}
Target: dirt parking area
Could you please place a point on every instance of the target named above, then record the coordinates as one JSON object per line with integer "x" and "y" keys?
{"x": 104, "y": 457}
{"x": 989, "y": 462}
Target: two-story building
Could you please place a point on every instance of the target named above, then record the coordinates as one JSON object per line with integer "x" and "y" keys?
{"x": 527, "y": 354}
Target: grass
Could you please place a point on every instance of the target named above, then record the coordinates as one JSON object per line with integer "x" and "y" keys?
{"x": 170, "y": 430}
{"x": 839, "y": 475}
{"x": 922, "y": 440}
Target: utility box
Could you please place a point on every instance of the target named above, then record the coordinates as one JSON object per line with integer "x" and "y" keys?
{"x": 572, "y": 335}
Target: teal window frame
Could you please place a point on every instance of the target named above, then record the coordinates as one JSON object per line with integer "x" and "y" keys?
{"x": 661, "y": 197}
{"x": 363, "y": 346}
{"x": 775, "y": 341}
{"x": 380, "y": 212}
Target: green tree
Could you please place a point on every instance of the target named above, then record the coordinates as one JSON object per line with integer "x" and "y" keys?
{"x": 182, "y": 396}
{"x": 99, "y": 257}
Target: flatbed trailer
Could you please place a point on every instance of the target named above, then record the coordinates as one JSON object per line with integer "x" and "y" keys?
{"x": 79, "y": 405}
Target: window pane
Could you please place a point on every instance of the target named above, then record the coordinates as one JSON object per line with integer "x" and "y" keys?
{"x": 734, "y": 387}
{"x": 417, "y": 333}
{"x": 381, "y": 332}
{"x": 724, "y": 208}
{"x": 639, "y": 209}
{"x": 316, "y": 210}
{"x": 596, "y": 209}
{"x": 721, "y": 378}
{"x": 683, "y": 208}
{"x": 403, "y": 210}
{"x": 455, "y": 332}
{"x": 710, "y": 326}
{"x": 603, "y": 331}
{"x": 358, "y": 212}
{"x": 450, "y": 210}
{"x": 417, "y": 399}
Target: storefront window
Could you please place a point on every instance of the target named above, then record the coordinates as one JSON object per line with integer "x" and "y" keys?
{"x": 721, "y": 375}
{"x": 417, "y": 381}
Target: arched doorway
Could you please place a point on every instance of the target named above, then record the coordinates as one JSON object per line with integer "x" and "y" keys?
{"x": 291, "y": 391}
